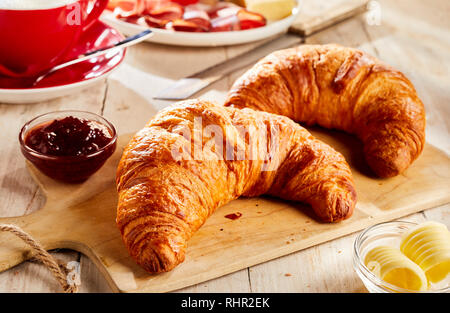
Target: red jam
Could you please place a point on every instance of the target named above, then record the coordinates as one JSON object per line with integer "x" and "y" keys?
{"x": 69, "y": 136}
{"x": 69, "y": 149}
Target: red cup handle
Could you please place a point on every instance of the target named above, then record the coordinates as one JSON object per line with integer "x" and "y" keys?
{"x": 97, "y": 10}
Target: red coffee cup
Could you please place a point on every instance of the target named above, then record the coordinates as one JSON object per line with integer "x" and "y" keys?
{"x": 33, "y": 40}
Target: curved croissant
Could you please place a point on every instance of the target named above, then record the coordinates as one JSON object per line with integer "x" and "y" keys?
{"x": 341, "y": 88}
{"x": 169, "y": 183}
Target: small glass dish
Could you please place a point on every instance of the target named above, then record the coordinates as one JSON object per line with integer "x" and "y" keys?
{"x": 69, "y": 169}
{"x": 388, "y": 233}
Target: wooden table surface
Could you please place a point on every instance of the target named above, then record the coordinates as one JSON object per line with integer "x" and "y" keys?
{"x": 413, "y": 36}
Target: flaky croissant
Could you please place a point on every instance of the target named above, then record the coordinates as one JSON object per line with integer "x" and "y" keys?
{"x": 169, "y": 183}
{"x": 340, "y": 88}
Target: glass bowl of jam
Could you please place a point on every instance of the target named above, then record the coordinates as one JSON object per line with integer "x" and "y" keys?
{"x": 68, "y": 146}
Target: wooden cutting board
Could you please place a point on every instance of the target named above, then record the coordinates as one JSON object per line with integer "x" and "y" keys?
{"x": 82, "y": 217}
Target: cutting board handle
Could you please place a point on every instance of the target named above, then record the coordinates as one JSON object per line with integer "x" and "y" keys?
{"x": 46, "y": 225}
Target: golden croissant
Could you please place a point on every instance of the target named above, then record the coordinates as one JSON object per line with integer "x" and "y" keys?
{"x": 341, "y": 88}
{"x": 195, "y": 156}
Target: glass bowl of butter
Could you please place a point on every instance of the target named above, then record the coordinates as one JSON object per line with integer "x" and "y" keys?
{"x": 404, "y": 257}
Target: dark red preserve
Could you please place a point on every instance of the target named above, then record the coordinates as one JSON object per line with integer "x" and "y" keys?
{"x": 234, "y": 216}
{"x": 69, "y": 148}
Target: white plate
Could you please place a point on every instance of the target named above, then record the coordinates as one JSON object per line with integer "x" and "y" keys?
{"x": 177, "y": 38}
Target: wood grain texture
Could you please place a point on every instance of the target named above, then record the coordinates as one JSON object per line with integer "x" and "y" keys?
{"x": 318, "y": 15}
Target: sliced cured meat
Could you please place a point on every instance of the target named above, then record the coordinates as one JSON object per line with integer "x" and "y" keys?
{"x": 223, "y": 24}
{"x": 248, "y": 20}
{"x": 187, "y": 26}
{"x": 198, "y": 17}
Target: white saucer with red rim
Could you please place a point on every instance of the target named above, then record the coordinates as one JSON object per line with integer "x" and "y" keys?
{"x": 73, "y": 78}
